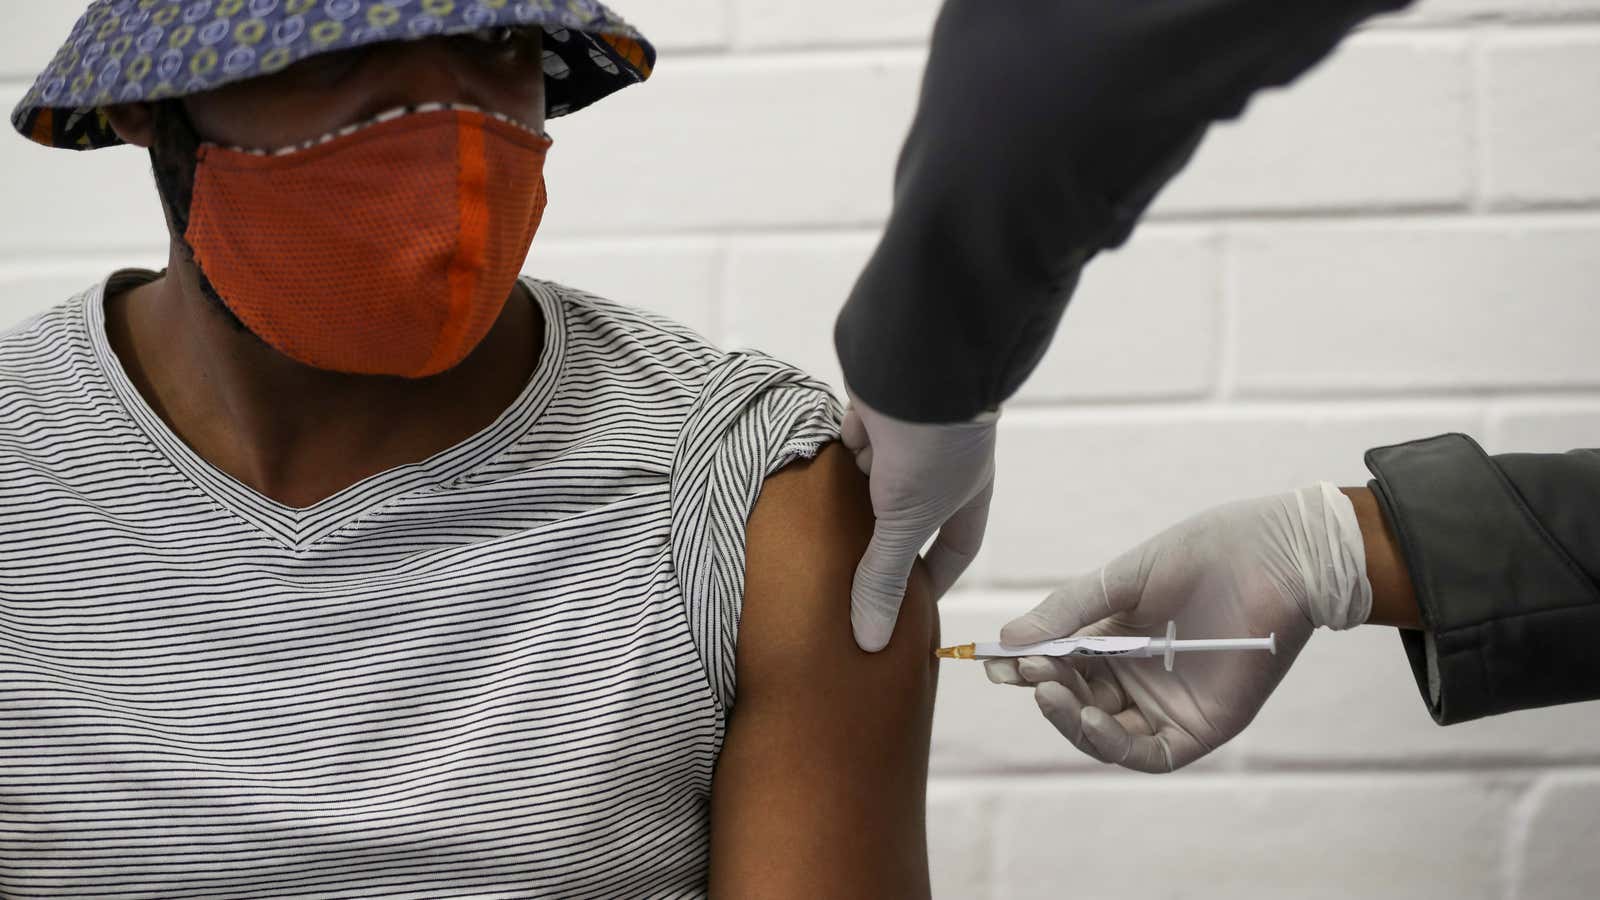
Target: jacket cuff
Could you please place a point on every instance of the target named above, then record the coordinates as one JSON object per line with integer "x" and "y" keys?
{"x": 1481, "y": 567}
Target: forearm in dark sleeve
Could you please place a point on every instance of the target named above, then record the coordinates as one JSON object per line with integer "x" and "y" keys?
{"x": 1044, "y": 130}
{"x": 1504, "y": 554}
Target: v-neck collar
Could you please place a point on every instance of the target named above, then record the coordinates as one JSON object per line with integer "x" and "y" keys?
{"x": 299, "y": 528}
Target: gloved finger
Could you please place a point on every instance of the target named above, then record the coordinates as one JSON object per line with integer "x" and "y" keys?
{"x": 1107, "y": 694}
{"x": 1081, "y": 601}
{"x": 1063, "y": 710}
{"x": 880, "y": 586}
{"x": 853, "y": 431}
{"x": 1134, "y": 721}
{"x": 1179, "y": 747}
{"x": 1039, "y": 669}
{"x": 1100, "y": 685}
{"x": 1067, "y": 670}
{"x": 1080, "y": 688}
{"x": 959, "y": 540}
{"x": 1004, "y": 671}
{"x": 1140, "y": 752}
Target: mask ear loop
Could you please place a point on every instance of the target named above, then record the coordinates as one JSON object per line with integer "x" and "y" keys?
{"x": 173, "y": 159}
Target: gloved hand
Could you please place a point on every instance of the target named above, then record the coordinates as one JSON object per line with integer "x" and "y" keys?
{"x": 1284, "y": 564}
{"x": 924, "y": 479}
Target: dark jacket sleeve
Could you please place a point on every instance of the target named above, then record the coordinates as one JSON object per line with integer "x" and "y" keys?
{"x": 1044, "y": 130}
{"x": 1504, "y": 553}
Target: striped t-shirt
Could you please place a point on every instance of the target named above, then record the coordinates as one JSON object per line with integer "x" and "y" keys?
{"x": 503, "y": 671}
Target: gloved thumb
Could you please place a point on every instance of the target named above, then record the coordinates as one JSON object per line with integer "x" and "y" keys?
{"x": 1080, "y": 602}
{"x": 880, "y": 586}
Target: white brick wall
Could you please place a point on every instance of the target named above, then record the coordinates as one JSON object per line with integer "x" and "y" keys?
{"x": 1452, "y": 11}
{"x": 1387, "y": 126}
{"x": 1555, "y": 853}
{"x": 1318, "y": 837}
{"x": 1550, "y": 425}
{"x": 1455, "y": 305}
{"x": 1403, "y": 244}
{"x": 1534, "y": 158}
{"x": 1075, "y": 486}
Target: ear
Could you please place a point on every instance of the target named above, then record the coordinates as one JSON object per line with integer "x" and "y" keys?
{"x": 133, "y": 122}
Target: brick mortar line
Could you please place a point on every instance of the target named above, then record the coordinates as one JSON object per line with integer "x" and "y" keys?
{"x": 993, "y": 856}
{"x": 723, "y": 306}
{"x": 1582, "y": 213}
{"x": 1038, "y": 412}
{"x": 1383, "y": 30}
{"x": 1227, "y": 344}
{"x": 1514, "y": 840}
{"x": 1442, "y": 213}
{"x": 1132, "y": 410}
{"x": 1578, "y": 213}
{"x": 1433, "y": 26}
{"x": 1492, "y": 769}
{"x": 1498, "y": 764}
{"x": 1169, "y": 225}
{"x": 1430, "y": 392}
{"x": 1507, "y": 21}
{"x": 1479, "y": 160}
{"x": 1107, "y": 776}
{"x": 1581, "y": 23}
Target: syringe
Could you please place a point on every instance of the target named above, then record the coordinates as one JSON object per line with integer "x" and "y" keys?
{"x": 1112, "y": 646}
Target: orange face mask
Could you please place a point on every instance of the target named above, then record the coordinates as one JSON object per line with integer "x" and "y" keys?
{"x": 388, "y": 249}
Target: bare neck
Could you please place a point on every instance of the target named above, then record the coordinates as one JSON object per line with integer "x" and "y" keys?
{"x": 291, "y": 432}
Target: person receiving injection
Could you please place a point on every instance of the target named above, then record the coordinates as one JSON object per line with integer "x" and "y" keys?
{"x": 1044, "y": 130}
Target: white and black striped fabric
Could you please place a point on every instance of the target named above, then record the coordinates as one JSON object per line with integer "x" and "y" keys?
{"x": 500, "y": 672}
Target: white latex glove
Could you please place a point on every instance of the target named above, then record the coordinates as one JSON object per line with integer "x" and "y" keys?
{"x": 1283, "y": 564}
{"x": 924, "y": 479}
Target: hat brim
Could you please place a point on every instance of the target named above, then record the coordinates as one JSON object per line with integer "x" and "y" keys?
{"x": 122, "y": 51}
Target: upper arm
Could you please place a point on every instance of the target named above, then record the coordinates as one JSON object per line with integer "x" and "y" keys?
{"x": 820, "y": 787}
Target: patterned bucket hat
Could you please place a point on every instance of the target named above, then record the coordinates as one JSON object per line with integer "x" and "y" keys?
{"x": 124, "y": 51}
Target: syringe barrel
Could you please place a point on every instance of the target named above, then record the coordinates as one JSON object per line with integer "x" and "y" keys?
{"x": 1159, "y": 645}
